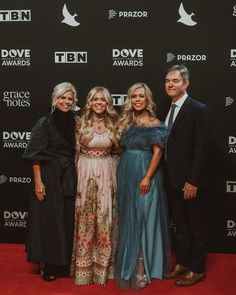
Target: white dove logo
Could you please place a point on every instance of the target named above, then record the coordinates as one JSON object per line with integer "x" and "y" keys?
{"x": 69, "y": 19}
{"x": 185, "y": 18}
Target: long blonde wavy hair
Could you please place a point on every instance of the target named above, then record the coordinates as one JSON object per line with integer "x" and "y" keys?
{"x": 111, "y": 116}
{"x": 128, "y": 115}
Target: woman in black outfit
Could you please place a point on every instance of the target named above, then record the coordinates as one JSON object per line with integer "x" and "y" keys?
{"x": 51, "y": 152}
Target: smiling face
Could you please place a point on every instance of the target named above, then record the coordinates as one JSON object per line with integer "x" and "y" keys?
{"x": 65, "y": 102}
{"x": 98, "y": 103}
{"x": 139, "y": 99}
{"x": 175, "y": 85}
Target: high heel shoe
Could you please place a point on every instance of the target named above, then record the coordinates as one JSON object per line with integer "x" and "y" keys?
{"x": 141, "y": 277}
{"x": 141, "y": 280}
{"x": 46, "y": 273}
{"x": 48, "y": 278}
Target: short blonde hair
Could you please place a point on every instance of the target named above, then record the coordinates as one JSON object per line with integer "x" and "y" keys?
{"x": 59, "y": 90}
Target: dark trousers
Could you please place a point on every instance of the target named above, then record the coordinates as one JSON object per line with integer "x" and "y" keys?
{"x": 190, "y": 220}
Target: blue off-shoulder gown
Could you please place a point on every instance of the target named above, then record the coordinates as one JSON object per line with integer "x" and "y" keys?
{"x": 143, "y": 220}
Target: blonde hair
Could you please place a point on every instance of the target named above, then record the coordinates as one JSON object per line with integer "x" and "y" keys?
{"x": 111, "y": 116}
{"x": 59, "y": 90}
{"x": 128, "y": 115}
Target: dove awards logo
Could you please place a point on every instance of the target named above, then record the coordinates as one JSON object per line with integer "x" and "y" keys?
{"x": 15, "y": 57}
{"x": 185, "y": 18}
{"x": 15, "y": 139}
{"x": 231, "y": 228}
{"x": 118, "y": 99}
{"x": 232, "y": 144}
{"x": 15, "y": 218}
{"x": 69, "y": 19}
{"x": 15, "y": 15}
{"x": 127, "y": 57}
{"x": 185, "y": 57}
{"x": 233, "y": 57}
{"x": 16, "y": 98}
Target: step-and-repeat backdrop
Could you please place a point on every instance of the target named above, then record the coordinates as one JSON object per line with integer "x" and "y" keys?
{"x": 115, "y": 44}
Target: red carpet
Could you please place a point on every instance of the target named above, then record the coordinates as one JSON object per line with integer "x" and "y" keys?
{"x": 17, "y": 277}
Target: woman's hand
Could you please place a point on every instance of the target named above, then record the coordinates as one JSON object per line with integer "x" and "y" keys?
{"x": 40, "y": 191}
{"x": 117, "y": 150}
{"x": 38, "y": 186}
{"x": 144, "y": 185}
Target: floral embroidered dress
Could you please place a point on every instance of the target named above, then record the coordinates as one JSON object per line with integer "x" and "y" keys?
{"x": 143, "y": 220}
{"x": 95, "y": 233}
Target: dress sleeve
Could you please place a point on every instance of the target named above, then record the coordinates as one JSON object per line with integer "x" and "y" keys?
{"x": 37, "y": 149}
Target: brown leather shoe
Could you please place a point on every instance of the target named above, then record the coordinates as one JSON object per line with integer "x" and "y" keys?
{"x": 189, "y": 278}
{"x": 176, "y": 272}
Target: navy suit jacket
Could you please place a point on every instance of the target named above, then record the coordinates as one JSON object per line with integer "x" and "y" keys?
{"x": 188, "y": 145}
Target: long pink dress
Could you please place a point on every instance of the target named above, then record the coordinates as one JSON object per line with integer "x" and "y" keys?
{"x": 95, "y": 235}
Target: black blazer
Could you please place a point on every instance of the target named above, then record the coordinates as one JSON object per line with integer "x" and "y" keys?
{"x": 188, "y": 145}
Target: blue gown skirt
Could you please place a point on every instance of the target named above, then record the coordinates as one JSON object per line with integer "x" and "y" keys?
{"x": 143, "y": 220}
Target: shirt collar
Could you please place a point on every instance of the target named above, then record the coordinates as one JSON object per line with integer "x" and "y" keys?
{"x": 181, "y": 100}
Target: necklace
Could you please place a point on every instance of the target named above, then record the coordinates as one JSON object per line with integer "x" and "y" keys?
{"x": 97, "y": 119}
{"x": 98, "y": 124}
{"x": 141, "y": 118}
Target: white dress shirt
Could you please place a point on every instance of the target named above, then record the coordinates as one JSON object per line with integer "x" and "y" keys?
{"x": 178, "y": 104}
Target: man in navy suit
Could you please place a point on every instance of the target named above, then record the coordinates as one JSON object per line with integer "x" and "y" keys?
{"x": 186, "y": 158}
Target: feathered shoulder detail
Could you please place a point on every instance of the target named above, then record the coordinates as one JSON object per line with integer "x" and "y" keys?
{"x": 145, "y": 136}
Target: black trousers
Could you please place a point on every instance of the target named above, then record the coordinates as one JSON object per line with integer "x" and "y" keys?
{"x": 189, "y": 218}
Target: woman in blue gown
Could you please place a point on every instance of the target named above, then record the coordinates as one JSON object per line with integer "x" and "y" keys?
{"x": 143, "y": 250}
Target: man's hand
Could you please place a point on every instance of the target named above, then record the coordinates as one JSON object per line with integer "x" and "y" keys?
{"x": 190, "y": 191}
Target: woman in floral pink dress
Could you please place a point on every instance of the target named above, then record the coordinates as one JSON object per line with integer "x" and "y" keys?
{"x": 95, "y": 233}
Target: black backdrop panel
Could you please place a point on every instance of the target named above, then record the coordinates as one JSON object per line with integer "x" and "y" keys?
{"x": 115, "y": 44}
